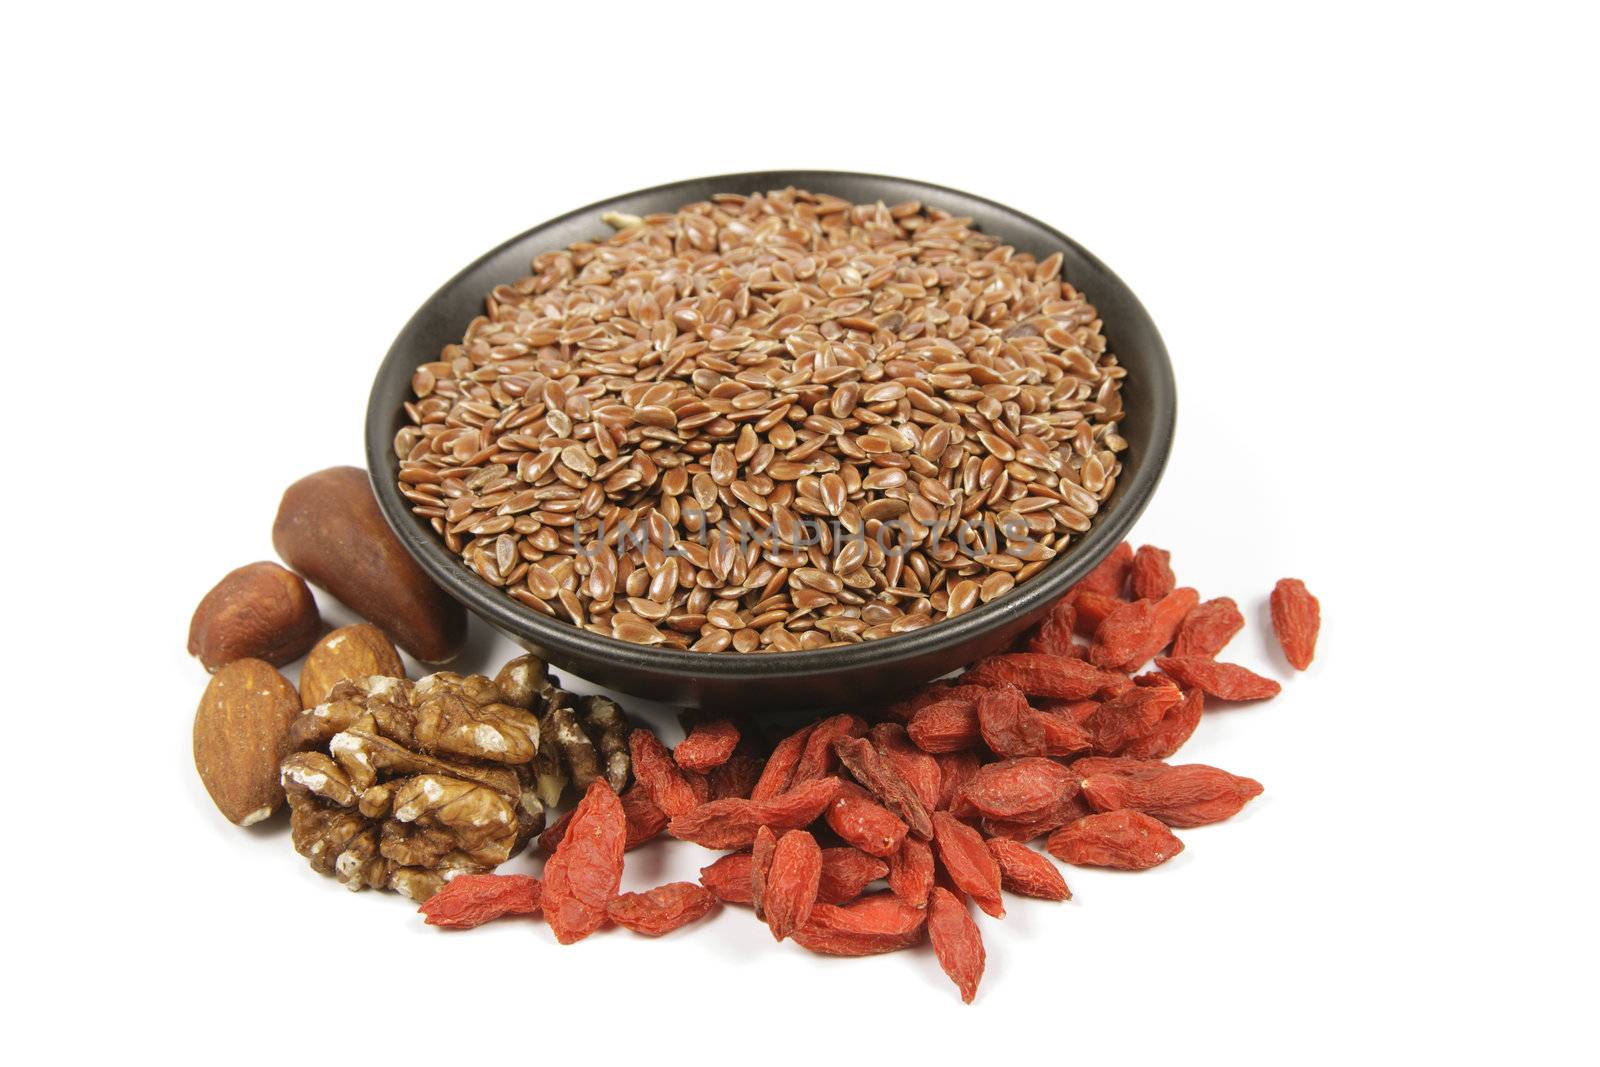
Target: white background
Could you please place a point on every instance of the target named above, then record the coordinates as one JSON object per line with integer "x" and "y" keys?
{"x": 1367, "y": 236}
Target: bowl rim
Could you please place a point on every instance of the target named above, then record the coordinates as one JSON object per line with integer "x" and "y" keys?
{"x": 564, "y": 638}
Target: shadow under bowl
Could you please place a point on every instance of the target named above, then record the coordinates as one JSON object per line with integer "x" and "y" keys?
{"x": 757, "y": 683}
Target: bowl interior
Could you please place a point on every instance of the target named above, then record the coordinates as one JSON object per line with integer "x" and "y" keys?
{"x": 1148, "y": 392}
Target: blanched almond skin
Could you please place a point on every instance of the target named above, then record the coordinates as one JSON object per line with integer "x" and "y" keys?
{"x": 329, "y": 529}
{"x": 259, "y": 611}
{"x": 348, "y": 653}
{"x": 240, "y": 734}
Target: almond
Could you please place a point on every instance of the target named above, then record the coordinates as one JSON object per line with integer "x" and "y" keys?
{"x": 240, "y": 733}
{"x": 350, "y": 652}
{"x": 259, "y": 611}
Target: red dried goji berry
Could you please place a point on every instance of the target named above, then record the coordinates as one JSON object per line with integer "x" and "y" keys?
{"x": 470, "y": 900}
{"x": 956, "y": 942}
{"x": 1208, "y": 628}
{"x": 1169, "y": 735}
{"x": 1092, "y": 610}
{"x": 881, "y": 922}
{"x": 911, "y": 872}
{"x": 1088, "y": 766}
{"x": 792, "y": 883}
{"x": 1151, "y": 576}
{"x": 945, "y": 726}
{"x": 732, "y": 823}
{"x": 968, "y": 862}
{"x": 1066, "y": 810}
{"x": 818, "y": 758}
{"x": 1020, "y": 788}
{"x": 1189, "y": 795}
{"x": 661, "y": 910}
{"x": 1040, "y": 676}
{"x": 645, "y": 820}
{"x": 942, "y": 879}
{"x": 709, "y": 744}
{"x": 1126, "y": 840}
{"x": 902, "y": 711}
{"x": 552, "y": 835}
{"x": 735, "y": 778}
{"x": 1110, "y": 575}
{"x": 654, "y": 769}
{"x": 722, "y": 824}
{"x": 1009, "y": 725}
{"x": 863, "y": 822}
{"x": 799, "y": 806}
{"x": 861, "y": 759}
{"x": 583, "y": 874}
{"x": 846, "y": 873}
{"x": 1133, "y": 633}
{"x": 919, "y": 769}
{"x": 779, "y": 770}
{"x": 1296, "y": 618}
{"x": 962, "y": 808}
{"x": 1076, "y": 712}
{"x": 955, "y": 770}
{"x": 1121, "y": 685}
{"x": 1225, "y": 681}
{"x": 1053, "y": 635}
{"x": 730, "y": 879}
{"x": 761, "y": 850}
{"x": 1026, "y": 873}
{"x": 1063, "y": 736}
{"x": 1136, "y": 713}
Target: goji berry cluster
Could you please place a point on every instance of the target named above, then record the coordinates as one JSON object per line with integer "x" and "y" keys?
{"x": 936, "y": 795}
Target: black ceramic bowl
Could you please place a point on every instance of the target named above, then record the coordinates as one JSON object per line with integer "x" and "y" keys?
{"x": 778, "y": 681}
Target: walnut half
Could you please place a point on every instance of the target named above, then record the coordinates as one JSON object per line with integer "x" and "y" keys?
{"x": 401, "y": 786}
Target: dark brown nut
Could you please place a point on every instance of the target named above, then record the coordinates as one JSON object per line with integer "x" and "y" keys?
{"x": 329, "y": 529}
{"x": 550, "y": 775}
{"x": 608, "y": 728}
{"x": 523, "y": 682}
{"x": 402, "y": 785}
{"x": 350, "y": 652}
{"x": 260, "y": 611}
{"x": 582, "y": 743}
{"x": 241, "y": 732}
{"x": 569, "y": 738}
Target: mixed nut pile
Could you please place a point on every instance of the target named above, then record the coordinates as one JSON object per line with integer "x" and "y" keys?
{"x": 426, "y": 786}
{"x": 767, "y": 423}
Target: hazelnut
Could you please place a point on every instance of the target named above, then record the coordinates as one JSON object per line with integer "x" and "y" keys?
{"x": 259, "y": 611}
